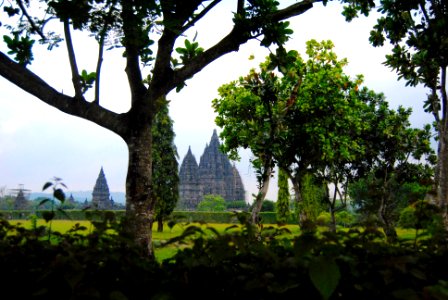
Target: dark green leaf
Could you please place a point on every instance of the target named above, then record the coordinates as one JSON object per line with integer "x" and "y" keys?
{"x": 44, "y": 201}
{"x": 47, "y": 185}
{"x": 59, "y": 194}
{"x": 325, "y": 275}
{"x": 48, "y": 215}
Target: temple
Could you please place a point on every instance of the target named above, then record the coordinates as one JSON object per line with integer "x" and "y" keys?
{"x": 214, "y": 175}
{"x": 101, "y": 197}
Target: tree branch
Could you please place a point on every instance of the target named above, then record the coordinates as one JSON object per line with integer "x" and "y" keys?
{"x": 443, "y": 91}
{"x": 200, "y": 15}
{"x": 232, "y": 42}
{"x": 30, "y": 20}
{"x": 131, "y": 42}
{"x": 76, "y": 79}
{"x": 34, "y": 85}
{"x": 293, "y": 10}
{"x": 100, "y": 56}
{"x": 240, "y": 7}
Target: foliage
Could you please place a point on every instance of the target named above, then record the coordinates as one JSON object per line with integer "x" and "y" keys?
{"x": 307, "y": 117}
{"x": 417, "y": 32}
{"x": 352, "y": 265}
{"x": 212, "y": 203}
{"x": 247, "y": 111}
{"x": 241, "y": 262}
{"x": 419, "y": 215}
{"x": 312, "y": 204}
{"x": 365, "y": 194}
{"x": 268, "y": 206}
{"x": 237, "y": 205}
{"x": 343, "y": 218}
{"x": 283, "y": 197}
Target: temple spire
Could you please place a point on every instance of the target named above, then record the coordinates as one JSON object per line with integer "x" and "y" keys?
{"x": 214, "y": 175}
{"x": 101, "y": 195}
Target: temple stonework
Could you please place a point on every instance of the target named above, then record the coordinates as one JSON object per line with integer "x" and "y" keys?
{"x": 214, "y": 175}
{"x": 101, "y": 197}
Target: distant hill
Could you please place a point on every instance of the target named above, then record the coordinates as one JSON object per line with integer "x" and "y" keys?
{"x": 81, "y": 196}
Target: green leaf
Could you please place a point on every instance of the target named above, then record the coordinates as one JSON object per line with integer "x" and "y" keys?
{"x": 59, "y": 194}
{"x": 47, "y": 185}
{"x": 43, "y": 202}
{"x": 325, "y": 275}
{"x": 48, "y": 215}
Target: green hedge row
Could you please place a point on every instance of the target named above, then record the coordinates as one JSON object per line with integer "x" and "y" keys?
{"x": 187, "y": 216}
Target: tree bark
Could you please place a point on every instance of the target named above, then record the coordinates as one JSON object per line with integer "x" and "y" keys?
{"x": 140, "y": 203}
{"x": 389, "y": 229}
{"x": 442, "y": 168}
{"x": 302, "y": 214}
{"x": 261, "y": 194}
{"x": 332, "y": 206}
{"x": 159, "y": 225}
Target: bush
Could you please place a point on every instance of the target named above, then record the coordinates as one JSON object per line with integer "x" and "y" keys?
{"x": 212, "y": 203}
{"x": 407, "y": 218}
{"x": 419, "y": 215}
{"x": 252, "y": 263}
{"x": 345, "y": 218}
{"x": 323, "y": 219}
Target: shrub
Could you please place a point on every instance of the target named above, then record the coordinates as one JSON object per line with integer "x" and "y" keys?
{"x": 407, "y": 218}
{"x": 345, "y": 218}
{"x": 323, "y": 219}
{"x": 251, "y": 263}
{"x": 419, "y": 215}
{"x": 212, "y": 203}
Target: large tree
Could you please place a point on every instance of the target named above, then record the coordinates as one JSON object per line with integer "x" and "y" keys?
{"x": 306, "y": 118}
{"x": 418, "y": 31}
{"x": 148, "y": 32}
{"x": 323, "y": 123}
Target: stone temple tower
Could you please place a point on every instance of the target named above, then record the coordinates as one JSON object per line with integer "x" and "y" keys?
{"x": 215, "y": 175}
{"x": 101, "y": 196}
{"x": 189, "y": 186}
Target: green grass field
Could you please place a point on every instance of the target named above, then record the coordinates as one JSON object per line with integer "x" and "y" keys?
{"x": 164, "y": 252}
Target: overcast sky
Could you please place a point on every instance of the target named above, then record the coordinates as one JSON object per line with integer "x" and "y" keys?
{"x": 37, "y": 142}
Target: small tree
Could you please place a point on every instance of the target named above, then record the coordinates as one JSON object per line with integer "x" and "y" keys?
{"x": 395, "y": 154}
{"x": 212, "y": 203}
{"x": 164, "y": 166}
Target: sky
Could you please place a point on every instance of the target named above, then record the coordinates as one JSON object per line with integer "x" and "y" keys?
{"x": 38, "y": 142}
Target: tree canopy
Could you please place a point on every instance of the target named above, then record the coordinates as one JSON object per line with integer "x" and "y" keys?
{"x": 418, "y": 33}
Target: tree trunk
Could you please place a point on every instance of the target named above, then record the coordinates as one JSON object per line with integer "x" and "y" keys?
{"x": 159, "y": 225}
{"x": 333, "y": 219}
{"x": 303, "y": 218}
{"x": 442, "y": 167}
{"x": 332, "y": 202}
{"x": 140, "y": 202}
{"x": 261, "y": 194}
{"x": 389, "y": 229}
